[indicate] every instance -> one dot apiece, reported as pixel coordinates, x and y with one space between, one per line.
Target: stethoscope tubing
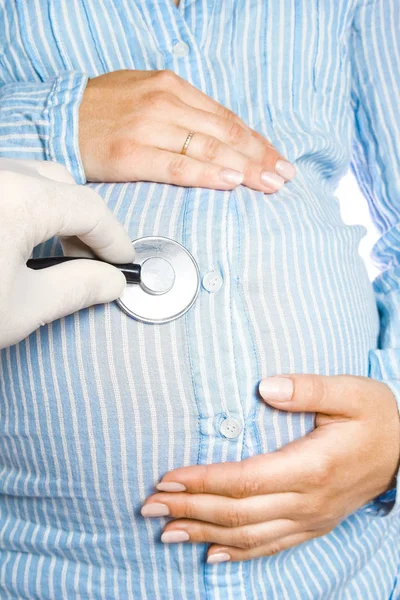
130 270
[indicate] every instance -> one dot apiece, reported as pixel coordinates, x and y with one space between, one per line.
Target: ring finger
247 537
209 149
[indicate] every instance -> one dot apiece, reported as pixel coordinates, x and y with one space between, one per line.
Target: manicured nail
172 537
277 389
218 558
272 180
155 510
285 169
232 176
170 486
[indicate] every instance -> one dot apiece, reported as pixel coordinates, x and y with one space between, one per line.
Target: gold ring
187 142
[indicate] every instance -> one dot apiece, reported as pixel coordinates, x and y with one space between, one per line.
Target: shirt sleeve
39 121
375 55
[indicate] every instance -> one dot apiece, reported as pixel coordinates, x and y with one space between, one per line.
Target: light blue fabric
95 408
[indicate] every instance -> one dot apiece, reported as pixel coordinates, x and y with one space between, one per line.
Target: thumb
66 288
331 395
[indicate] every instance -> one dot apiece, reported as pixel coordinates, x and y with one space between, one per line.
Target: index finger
65 210
276 472
198 99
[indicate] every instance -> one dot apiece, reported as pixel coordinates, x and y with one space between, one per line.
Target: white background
354 209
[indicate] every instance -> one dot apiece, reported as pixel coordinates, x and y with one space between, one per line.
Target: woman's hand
268 503
133 125
39 200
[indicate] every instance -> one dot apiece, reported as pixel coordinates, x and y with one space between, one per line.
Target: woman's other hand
133 125
269 503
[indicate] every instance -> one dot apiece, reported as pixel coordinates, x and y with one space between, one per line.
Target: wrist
388 502
63 139
87 141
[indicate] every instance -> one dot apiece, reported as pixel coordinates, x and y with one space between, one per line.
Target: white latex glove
39 200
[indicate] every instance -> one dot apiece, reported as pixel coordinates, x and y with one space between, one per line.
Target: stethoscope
165 274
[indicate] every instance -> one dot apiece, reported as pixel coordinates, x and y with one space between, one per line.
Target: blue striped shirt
95 408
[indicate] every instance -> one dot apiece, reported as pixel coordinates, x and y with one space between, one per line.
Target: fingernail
218 558
170 486
172 537
272 180
277 389
285 169
232 176
155 510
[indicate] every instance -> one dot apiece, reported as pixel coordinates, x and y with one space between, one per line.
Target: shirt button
180 49
212 281
230 428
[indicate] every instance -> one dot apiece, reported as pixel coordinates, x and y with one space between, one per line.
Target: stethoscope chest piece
169 281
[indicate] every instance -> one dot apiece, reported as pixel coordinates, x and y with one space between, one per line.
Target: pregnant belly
95 408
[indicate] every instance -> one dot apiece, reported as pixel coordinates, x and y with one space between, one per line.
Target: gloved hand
39 200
